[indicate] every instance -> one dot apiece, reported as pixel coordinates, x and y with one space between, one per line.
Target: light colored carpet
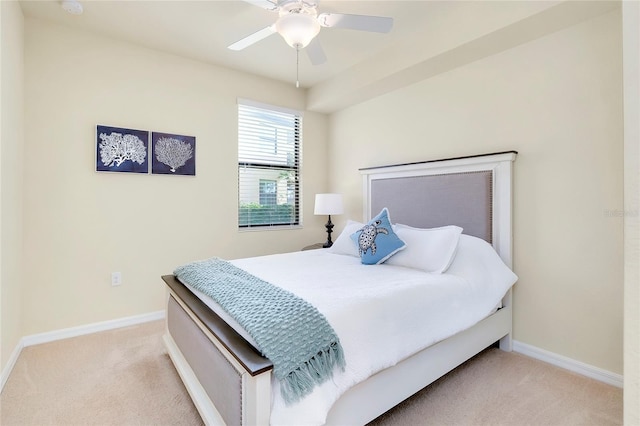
119 377
124 377
505 388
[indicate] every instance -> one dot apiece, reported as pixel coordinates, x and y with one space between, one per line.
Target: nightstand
313 246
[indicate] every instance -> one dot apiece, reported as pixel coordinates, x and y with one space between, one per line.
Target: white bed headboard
472 192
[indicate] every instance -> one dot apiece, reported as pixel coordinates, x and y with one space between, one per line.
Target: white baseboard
6 371
569 364
65 333
50 336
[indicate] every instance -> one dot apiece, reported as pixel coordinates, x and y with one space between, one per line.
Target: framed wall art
122 150
173 154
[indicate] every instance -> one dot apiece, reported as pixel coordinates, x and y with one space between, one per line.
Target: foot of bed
506 343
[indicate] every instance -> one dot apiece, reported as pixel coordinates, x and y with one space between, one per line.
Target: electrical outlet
116 278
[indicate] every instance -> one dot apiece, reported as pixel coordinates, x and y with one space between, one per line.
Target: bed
231 383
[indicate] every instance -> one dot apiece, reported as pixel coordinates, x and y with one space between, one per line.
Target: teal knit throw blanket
292 333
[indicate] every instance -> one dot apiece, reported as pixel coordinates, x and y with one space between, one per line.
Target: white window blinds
269 144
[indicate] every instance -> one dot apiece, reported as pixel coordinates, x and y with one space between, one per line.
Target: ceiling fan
299 23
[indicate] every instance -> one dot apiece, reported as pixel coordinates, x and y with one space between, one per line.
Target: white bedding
381 313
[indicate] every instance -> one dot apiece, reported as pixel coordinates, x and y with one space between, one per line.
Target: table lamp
328 204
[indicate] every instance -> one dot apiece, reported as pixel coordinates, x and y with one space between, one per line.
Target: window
268 192
269 144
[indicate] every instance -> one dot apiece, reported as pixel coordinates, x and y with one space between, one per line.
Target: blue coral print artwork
122 150
173 154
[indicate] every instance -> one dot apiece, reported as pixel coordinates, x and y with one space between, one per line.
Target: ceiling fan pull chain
297 67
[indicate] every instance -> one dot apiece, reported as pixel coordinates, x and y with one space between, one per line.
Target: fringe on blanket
301 381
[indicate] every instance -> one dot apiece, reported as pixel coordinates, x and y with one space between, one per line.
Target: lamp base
329 227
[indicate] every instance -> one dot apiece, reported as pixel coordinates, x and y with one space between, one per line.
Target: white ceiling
427 37
203 29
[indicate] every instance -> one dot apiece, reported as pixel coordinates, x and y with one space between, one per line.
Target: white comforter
381 313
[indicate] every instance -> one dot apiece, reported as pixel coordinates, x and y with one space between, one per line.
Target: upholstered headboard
471 192
430 201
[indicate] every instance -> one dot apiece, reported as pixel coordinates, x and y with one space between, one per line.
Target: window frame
292 166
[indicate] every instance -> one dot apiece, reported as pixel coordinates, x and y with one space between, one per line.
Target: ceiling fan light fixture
298 29
74 7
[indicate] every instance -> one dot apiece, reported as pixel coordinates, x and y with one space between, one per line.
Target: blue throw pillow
376 240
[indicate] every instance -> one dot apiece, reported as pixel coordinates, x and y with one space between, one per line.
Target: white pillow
344 244
478 262
431 250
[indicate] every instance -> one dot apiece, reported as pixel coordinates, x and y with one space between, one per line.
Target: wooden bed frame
230 382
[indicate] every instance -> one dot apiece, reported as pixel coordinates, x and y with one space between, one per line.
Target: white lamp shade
298 29
328 204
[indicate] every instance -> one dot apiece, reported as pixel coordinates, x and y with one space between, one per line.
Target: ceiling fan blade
253 38
265 4
316 52
378 24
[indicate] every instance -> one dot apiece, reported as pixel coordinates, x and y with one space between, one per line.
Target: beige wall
631 46
11 141
558 101
81 225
